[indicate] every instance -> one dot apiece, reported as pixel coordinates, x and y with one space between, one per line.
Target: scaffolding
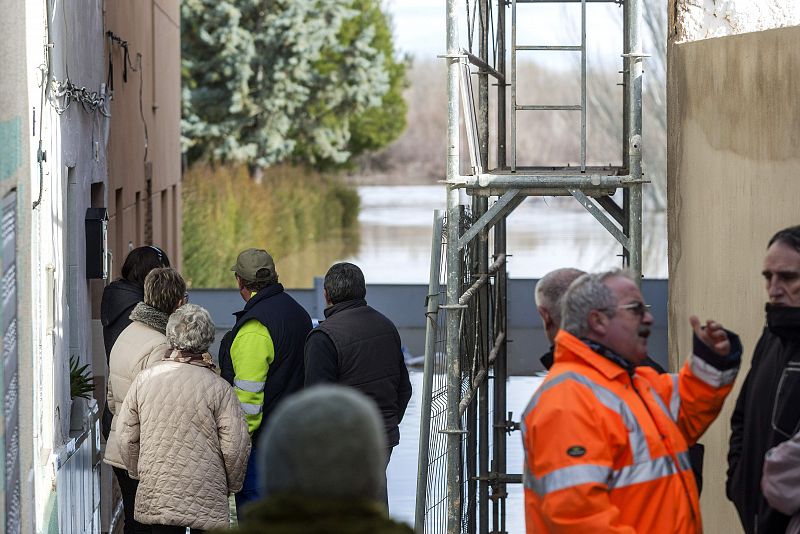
463 476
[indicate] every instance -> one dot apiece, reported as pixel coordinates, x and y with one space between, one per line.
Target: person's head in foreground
322 461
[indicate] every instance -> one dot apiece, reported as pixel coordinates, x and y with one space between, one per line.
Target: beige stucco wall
151 28
733 180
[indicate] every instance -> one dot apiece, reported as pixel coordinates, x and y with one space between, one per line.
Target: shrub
224 212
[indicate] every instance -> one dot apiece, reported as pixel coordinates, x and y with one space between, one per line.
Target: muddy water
394 236
402 472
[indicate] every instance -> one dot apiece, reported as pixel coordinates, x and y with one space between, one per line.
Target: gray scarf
149 316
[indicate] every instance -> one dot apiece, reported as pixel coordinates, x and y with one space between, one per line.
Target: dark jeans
127 486
384 495
171 529
251 487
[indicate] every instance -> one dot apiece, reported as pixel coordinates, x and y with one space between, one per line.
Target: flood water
394 239
402 472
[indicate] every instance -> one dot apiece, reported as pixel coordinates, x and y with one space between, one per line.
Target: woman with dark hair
120 297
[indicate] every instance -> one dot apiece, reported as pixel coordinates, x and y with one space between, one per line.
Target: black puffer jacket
767 413
119 299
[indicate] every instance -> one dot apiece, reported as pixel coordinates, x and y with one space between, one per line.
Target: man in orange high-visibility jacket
606 441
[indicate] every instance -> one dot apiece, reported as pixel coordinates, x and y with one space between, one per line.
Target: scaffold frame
476 477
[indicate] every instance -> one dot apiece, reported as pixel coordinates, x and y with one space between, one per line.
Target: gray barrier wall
405 306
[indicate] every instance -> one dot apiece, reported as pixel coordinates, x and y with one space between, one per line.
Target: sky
420 28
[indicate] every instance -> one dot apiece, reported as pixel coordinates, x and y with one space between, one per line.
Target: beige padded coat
138 347
182 433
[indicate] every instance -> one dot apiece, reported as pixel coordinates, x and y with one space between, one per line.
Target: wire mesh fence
474 325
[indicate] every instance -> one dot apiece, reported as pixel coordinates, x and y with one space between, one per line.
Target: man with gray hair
548 295
607 438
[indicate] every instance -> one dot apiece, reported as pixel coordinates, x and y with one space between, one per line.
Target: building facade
89 168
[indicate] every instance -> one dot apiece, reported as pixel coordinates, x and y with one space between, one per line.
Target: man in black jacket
358 346
768 408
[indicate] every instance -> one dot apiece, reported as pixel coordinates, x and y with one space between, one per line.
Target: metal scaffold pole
453 308
500 367
634 57
480 205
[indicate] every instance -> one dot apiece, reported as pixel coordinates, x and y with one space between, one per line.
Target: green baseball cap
254 265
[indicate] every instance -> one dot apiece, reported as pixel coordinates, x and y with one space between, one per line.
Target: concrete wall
70 179
15 135
144 188
703 19
733 167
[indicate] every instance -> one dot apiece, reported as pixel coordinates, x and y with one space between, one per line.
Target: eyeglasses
638 308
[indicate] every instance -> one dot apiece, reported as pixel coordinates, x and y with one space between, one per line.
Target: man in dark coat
358 346
262 356
768 408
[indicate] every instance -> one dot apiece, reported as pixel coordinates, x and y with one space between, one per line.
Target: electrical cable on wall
44 84
128 64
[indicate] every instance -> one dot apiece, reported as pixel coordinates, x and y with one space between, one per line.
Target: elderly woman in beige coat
140 345
182 433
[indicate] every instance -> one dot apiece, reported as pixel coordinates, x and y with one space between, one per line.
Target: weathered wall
16 416
733 167
702 19
144 143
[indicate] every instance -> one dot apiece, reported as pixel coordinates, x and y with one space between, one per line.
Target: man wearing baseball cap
262 355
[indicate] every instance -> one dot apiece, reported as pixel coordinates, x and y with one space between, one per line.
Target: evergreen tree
315 81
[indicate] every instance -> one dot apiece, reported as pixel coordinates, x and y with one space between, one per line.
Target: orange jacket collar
571 349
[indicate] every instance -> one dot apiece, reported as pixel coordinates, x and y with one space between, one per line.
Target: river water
394 239
402 472
542 235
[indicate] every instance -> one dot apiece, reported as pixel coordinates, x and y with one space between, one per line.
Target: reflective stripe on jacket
252 352
607 451
278 363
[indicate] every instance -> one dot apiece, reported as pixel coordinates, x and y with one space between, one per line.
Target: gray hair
190 328
589 292
551 288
